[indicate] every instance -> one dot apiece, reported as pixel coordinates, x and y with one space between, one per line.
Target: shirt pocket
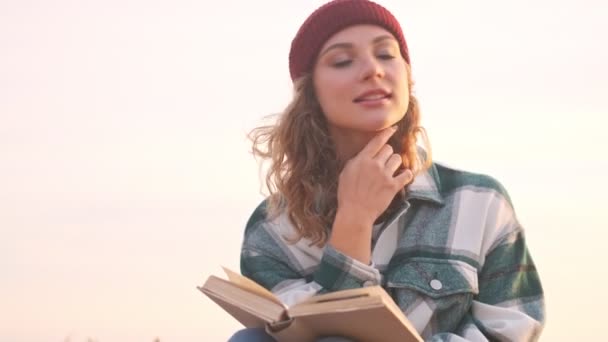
434 278
435 293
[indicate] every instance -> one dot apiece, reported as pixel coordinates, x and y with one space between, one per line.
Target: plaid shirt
453 258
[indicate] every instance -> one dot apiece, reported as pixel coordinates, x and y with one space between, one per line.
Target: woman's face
361 80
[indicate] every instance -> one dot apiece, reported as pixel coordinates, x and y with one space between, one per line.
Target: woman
354 202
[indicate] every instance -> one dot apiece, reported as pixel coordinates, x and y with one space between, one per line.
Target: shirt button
369 283
436 284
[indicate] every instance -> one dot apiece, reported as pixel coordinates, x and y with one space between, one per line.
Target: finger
404 178
374 145
385 152
393 163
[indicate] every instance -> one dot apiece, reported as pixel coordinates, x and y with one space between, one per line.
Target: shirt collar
426 185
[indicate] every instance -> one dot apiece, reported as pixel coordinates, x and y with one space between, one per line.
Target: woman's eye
386 56
342 64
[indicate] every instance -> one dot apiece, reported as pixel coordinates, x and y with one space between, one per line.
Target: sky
126 177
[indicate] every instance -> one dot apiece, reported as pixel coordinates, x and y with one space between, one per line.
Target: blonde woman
354 202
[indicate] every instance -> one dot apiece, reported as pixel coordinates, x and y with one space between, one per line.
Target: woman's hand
366 187
367 183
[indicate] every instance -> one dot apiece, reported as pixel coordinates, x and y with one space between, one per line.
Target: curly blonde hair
303 175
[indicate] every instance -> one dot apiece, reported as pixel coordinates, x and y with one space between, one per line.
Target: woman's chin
374 122
370 122
377 125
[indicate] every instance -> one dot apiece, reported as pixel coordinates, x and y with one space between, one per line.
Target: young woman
354 202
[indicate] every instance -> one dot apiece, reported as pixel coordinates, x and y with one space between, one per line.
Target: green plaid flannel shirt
454 259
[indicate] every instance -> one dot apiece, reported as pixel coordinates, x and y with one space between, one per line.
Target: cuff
338 271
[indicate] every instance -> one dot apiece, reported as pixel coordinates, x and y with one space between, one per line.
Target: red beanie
331 18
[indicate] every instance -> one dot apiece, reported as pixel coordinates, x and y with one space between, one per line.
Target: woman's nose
371 68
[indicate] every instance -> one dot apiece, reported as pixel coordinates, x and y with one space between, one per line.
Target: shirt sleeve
263 261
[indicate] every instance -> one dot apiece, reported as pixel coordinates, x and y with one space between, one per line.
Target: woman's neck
348 142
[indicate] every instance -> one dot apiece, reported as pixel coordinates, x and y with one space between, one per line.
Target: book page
251 286
363 314
345 295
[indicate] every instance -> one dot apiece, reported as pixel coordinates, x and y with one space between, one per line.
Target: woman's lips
374 101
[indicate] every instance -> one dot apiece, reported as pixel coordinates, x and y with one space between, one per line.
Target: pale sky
126 177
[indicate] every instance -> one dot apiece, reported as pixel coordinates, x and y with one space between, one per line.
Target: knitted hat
331 18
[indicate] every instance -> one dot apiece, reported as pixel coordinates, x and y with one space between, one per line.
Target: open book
363 314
